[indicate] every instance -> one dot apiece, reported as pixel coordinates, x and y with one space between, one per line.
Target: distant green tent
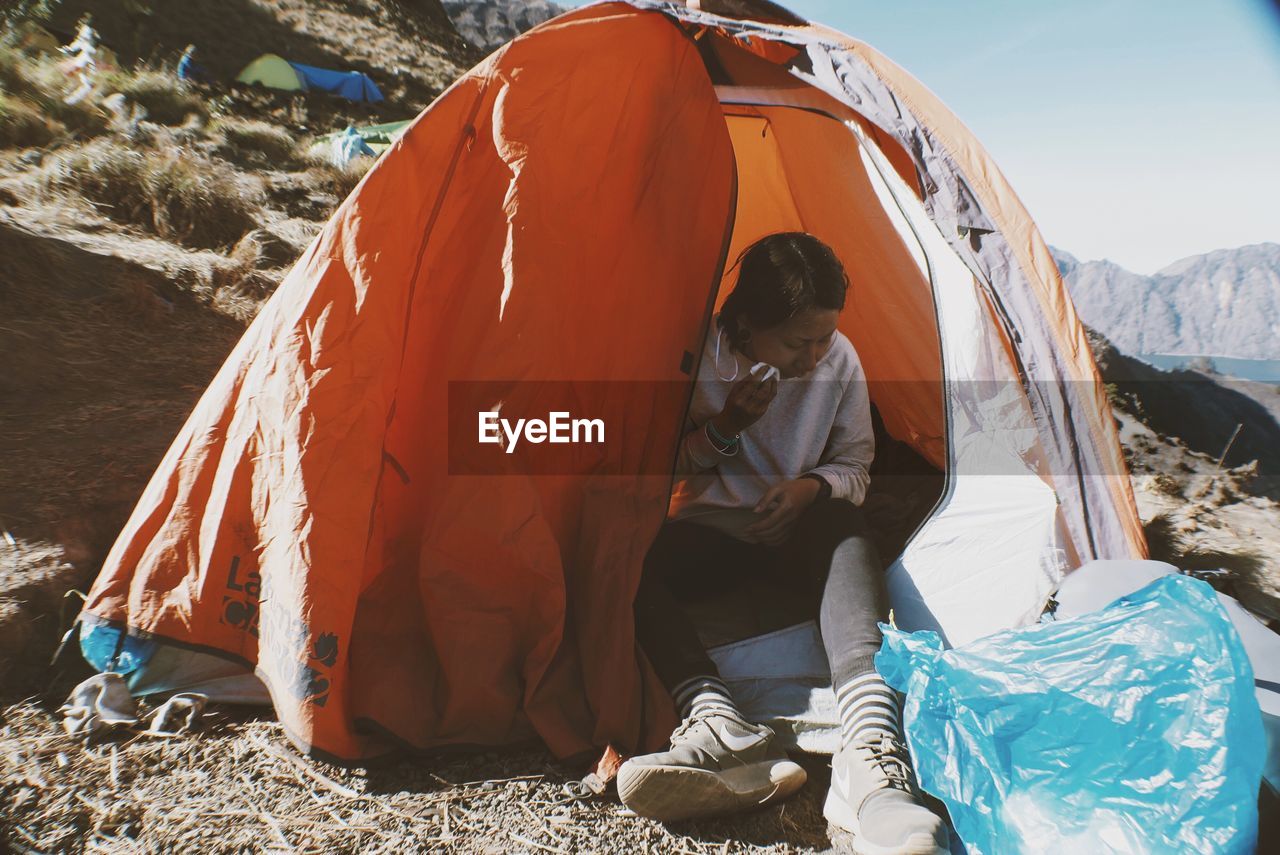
383 135
378 137
272 71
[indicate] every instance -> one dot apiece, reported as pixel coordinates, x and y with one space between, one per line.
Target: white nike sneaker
874 796
716 765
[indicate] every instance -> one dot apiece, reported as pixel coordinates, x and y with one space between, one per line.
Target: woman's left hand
782 505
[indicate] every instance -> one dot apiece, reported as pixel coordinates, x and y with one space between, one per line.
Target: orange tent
560 219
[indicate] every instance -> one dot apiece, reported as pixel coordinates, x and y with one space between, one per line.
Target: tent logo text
240 605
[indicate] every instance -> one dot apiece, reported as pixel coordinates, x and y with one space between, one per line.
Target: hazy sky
1142 131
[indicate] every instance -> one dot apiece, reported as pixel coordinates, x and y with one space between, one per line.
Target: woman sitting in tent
774 469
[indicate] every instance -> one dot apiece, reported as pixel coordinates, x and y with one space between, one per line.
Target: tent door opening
799 170
959 465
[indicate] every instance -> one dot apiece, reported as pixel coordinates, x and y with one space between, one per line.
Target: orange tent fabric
317 461
538 222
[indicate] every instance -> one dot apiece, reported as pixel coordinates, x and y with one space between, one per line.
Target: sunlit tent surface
271 71
566 211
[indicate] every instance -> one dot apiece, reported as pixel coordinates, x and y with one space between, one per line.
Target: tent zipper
464 141
712 291
948 479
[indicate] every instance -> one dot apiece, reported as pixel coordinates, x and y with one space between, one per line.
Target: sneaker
874 796
716 765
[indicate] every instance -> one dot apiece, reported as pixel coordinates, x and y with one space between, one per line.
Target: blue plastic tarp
352 85
1133 728
347 146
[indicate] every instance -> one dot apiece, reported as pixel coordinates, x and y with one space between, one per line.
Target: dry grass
22 125
268 139
12 78
1167 543
243 281
176 192
1163 482
239 786
36 80
255 141
338 180
167 100
41 81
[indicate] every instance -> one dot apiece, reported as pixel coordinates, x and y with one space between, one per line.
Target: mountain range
489 24
1221 303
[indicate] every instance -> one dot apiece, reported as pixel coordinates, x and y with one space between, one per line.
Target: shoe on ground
716 765
874 797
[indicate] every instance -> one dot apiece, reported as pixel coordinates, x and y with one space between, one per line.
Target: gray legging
830 553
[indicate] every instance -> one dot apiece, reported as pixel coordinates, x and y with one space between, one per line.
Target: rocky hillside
408 47
140 228
1233 420
489 24
1222 303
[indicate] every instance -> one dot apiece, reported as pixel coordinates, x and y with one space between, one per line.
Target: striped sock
705 696
868 707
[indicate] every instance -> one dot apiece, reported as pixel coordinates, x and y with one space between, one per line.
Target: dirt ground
238 786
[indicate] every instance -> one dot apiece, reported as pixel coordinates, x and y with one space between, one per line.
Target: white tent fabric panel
782 679
989 556
173 669
986 560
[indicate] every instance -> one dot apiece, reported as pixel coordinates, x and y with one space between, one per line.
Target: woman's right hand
748 400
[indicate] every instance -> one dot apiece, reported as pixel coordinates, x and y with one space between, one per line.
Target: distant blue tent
352 85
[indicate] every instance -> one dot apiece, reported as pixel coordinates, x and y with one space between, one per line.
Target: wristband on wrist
715 435
727 447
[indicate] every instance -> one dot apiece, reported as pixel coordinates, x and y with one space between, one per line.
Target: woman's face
796 345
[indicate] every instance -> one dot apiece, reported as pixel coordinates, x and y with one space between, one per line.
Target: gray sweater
819 423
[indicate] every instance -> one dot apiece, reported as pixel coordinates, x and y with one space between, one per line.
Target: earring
719 336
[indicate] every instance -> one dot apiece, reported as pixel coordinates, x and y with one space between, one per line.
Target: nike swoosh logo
841 781
736 743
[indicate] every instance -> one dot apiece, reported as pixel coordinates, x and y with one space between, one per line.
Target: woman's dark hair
780 276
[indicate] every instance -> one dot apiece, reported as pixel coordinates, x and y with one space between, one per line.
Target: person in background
189 69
